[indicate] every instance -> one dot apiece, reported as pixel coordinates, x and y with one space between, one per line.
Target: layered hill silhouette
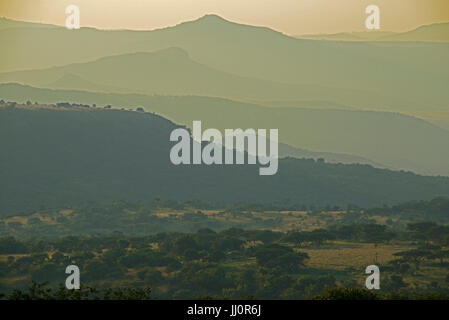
171 71
317 92
348 36
438 32
168 71
72 81
62 156
393 140
401 76
11 24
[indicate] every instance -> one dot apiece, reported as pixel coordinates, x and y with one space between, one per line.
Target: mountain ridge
137 70
396 74
67 156
391 139
427 32
215 19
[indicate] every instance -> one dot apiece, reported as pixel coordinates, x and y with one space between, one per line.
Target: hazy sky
293 17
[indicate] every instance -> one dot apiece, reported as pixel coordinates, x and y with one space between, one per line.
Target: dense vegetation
56 156
138 218
234 263
434 210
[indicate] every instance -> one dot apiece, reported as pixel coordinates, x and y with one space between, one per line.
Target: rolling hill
172 72
65 156
391 139
438 32
168 71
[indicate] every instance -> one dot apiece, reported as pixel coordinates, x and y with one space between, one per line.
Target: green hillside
172 71
394 140
53 157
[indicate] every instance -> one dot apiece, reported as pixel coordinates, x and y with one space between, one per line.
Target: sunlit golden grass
4 257
342 256
13 280
66 212
22 220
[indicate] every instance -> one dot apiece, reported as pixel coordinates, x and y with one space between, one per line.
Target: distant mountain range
326 97
171 71
398 76
168 71
65 156
438 32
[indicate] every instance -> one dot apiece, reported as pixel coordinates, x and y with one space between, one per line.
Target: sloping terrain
62 156
393 140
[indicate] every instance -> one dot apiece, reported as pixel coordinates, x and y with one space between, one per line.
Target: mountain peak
212 18
208 20
214 24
